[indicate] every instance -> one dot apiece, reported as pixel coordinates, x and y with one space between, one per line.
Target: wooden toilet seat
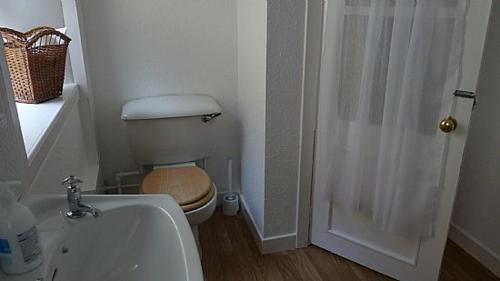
191 187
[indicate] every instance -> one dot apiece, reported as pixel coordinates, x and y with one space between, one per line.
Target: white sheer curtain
397 64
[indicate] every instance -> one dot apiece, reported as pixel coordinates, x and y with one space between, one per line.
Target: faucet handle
71 182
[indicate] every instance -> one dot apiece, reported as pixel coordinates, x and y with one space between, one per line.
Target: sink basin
136 237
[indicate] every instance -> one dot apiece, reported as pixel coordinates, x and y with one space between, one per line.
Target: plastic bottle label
30 245
4 246
5 253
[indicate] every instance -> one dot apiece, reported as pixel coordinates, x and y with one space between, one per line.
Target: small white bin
230 204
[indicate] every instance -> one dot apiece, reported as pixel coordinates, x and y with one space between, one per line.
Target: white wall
68 152
252 18
285 55
270 102
146 48
476 219
26 14
271 38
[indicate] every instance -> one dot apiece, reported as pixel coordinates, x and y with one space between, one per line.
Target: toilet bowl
190 186
203 213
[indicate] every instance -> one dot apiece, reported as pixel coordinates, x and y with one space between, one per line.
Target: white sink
135 238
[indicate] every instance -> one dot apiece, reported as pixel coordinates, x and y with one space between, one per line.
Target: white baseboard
270 244
257 236
279 243
475 248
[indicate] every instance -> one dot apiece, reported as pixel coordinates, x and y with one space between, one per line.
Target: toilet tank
172 128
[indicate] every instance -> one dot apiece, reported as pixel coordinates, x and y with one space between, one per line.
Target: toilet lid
187 185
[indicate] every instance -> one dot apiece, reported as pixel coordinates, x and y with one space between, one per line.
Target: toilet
171 136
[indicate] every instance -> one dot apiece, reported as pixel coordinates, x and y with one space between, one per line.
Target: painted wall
270 103
476 219
285 55
26 14
68 152
137 49
252 18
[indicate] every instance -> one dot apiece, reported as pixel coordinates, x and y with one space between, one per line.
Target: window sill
38 121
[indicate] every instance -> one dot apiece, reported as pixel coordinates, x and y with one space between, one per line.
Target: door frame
310 93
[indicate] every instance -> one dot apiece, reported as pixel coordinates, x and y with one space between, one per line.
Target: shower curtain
394 68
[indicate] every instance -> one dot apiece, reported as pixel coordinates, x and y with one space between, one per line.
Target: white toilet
175 129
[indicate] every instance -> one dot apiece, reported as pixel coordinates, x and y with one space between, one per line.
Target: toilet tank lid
169 106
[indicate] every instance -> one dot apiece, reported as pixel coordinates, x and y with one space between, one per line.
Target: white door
353 235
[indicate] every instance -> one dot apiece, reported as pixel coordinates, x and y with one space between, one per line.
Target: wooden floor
229 253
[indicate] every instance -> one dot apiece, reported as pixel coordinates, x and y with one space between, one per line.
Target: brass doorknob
448 125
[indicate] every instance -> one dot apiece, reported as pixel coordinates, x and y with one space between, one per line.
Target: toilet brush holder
230 204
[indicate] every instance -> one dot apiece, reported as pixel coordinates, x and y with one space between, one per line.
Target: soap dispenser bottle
20 249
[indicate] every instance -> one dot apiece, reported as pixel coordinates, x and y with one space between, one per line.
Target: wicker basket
36 61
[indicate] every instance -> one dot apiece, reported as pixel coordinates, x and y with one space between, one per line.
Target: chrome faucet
76 208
